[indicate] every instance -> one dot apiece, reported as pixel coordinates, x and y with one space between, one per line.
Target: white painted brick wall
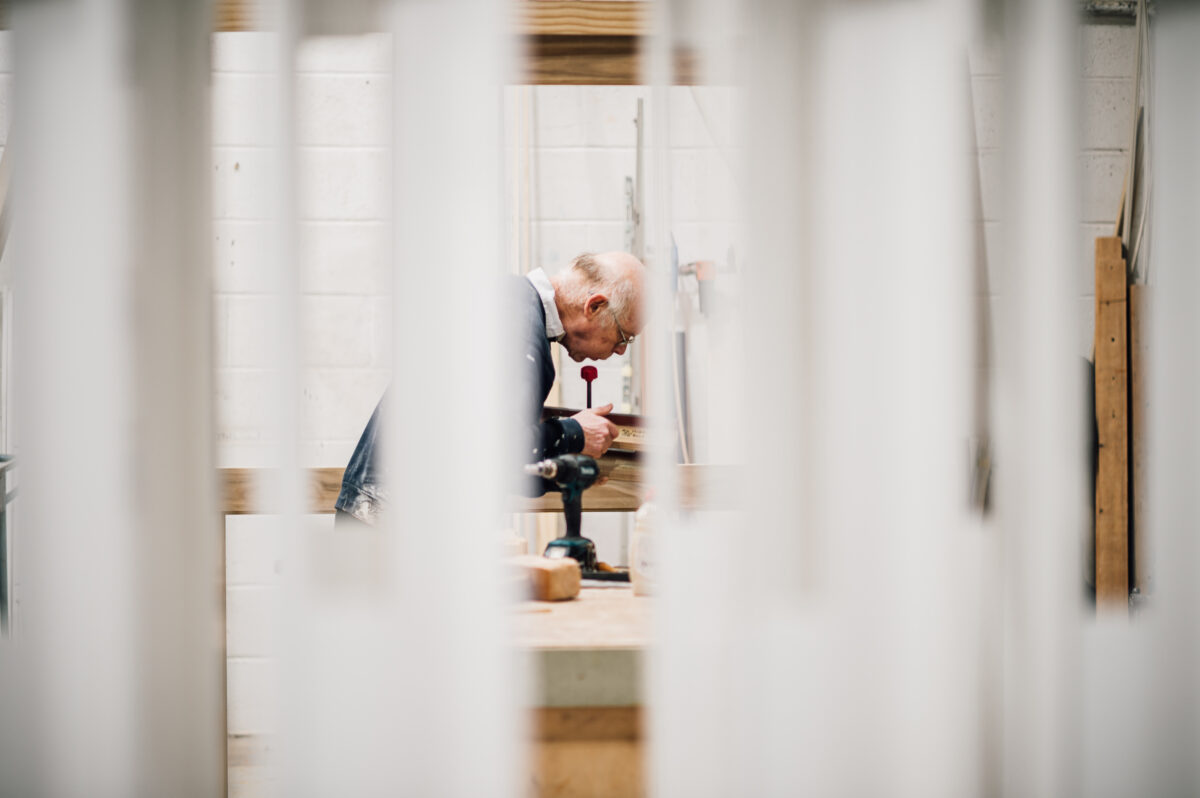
343 97
1107 50
1106 96
1107 113
252 694
581 184
344 258
1103 174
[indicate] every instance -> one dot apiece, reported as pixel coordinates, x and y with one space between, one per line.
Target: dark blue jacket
364 487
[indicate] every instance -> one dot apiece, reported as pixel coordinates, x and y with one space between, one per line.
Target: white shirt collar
554 327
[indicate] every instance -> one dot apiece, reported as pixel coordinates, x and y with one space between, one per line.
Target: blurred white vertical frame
395 670
886 594
455 712
1172 764
311 672
1041 409
120 656
690 681
843 596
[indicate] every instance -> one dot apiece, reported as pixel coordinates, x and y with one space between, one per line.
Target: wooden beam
1112 388
587 723
594 60
233 15
242 490
582 18
702 487
564 42
581 60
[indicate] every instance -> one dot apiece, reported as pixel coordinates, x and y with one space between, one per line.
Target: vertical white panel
1041 410
1171 666
399 676
120 681
686 738
830 624
447 454
305 688
73 342
179 557
885 598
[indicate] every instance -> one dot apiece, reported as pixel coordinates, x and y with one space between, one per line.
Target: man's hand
598 431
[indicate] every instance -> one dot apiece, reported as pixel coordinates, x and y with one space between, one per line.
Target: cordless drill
570 474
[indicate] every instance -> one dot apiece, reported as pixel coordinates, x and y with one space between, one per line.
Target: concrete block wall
1108 57
343 100
1106 83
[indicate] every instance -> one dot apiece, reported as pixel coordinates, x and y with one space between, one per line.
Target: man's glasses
626 340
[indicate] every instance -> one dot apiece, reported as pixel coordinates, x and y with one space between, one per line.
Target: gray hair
593 274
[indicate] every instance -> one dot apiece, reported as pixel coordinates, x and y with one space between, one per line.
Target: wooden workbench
588 656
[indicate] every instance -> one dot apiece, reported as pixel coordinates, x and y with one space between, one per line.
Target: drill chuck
568 472
546 469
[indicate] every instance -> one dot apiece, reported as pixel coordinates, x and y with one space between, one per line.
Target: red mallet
588 373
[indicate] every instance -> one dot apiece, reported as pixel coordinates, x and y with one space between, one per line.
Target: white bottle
643 550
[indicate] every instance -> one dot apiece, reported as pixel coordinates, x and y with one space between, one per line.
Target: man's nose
620 348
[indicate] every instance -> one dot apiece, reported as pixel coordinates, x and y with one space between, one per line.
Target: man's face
599 336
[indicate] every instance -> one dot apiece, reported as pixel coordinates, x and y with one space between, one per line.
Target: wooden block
1112 386
549 580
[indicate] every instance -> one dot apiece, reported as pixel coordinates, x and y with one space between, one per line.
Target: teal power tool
571 475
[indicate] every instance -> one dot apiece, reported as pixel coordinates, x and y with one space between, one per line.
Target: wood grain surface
586 18
1112 388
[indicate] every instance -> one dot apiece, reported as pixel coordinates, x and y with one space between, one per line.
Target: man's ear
595 303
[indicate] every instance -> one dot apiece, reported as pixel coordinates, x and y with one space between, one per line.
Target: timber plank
242 489
233 15
702 487
596 61
576 18
587 723
582 60
1112 381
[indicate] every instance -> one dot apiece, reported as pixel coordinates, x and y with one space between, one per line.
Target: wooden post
1112 386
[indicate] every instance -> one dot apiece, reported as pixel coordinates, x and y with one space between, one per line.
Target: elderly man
593 310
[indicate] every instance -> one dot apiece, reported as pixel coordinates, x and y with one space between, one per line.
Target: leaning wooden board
1112 418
